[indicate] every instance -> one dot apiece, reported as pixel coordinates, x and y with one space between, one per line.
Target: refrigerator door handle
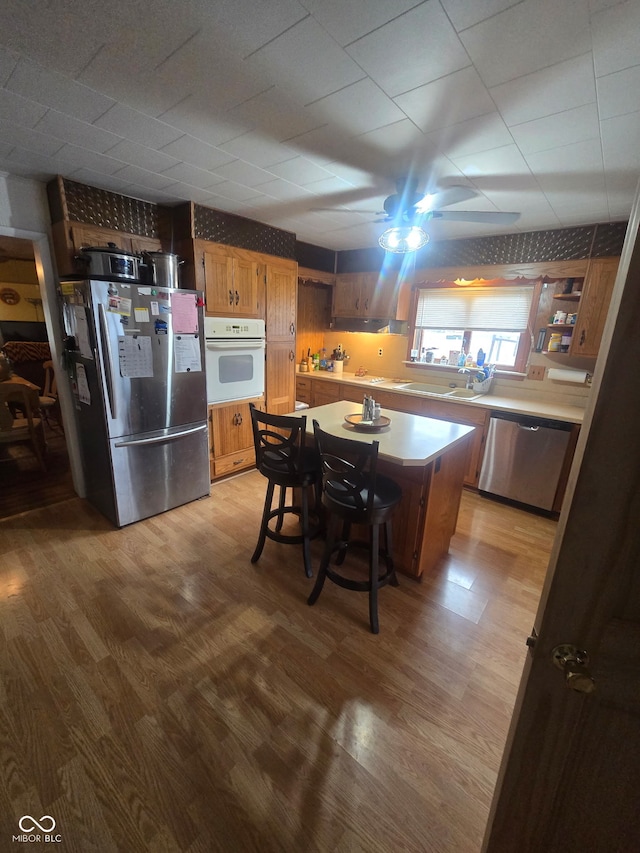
106 345
137 442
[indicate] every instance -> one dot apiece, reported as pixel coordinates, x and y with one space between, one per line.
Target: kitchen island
427 458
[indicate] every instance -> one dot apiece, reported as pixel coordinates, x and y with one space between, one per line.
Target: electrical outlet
379 350
536 371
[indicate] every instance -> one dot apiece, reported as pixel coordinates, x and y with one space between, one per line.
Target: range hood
369 324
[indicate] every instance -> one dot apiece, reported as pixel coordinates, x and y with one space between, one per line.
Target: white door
570 779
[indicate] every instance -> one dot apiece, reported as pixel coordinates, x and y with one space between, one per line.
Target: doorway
24 340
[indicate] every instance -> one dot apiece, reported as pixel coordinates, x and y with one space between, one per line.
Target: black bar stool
281 457
354 493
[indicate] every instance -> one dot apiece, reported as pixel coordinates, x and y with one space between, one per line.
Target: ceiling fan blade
491 217
452 195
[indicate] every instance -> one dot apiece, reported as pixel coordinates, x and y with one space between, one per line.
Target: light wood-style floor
158 692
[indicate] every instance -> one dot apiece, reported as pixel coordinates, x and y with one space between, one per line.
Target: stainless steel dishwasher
523 458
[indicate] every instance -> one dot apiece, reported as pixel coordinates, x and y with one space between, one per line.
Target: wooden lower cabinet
461 414
280 378
303 389
324 392
230 439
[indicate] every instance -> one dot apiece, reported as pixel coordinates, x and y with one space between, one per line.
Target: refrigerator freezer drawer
156 472
523 459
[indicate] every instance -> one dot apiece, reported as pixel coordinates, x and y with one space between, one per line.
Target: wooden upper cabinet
375 295
346 295
230 282
281 302
594 306
70 237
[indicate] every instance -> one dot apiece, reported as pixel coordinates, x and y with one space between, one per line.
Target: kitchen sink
438 390
424 388
467 393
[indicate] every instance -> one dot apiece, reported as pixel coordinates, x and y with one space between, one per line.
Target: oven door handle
244 344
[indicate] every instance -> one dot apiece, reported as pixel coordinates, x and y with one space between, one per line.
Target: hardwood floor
24 485
158 692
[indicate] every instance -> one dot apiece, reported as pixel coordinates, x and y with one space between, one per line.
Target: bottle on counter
462 358
480 358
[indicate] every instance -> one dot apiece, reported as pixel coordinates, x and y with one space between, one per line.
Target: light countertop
535 406
410 440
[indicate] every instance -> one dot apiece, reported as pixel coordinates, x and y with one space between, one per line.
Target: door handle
237 297
291 355
292 329
574 663
231 297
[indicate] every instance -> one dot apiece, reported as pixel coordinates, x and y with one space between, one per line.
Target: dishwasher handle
528 428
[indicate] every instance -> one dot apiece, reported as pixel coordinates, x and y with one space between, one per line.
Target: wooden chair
48 399
283 458
25 429
354 493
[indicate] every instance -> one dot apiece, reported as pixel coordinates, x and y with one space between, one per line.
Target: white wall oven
235 353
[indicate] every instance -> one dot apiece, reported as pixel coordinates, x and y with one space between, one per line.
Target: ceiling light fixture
407 238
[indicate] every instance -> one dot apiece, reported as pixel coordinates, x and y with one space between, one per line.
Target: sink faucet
468 377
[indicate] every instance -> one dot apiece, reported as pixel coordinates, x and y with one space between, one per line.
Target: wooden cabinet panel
346 295
230 282
303 389
594 306
70 237
280 377
230 439
325 392
408 519
281 301
463 415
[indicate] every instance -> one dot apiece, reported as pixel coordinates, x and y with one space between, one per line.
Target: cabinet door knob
291 355
292 328
237 297
231 297
582 337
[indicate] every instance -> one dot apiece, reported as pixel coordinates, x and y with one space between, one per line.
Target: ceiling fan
407 206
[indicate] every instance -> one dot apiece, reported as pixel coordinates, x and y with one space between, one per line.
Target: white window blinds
488 309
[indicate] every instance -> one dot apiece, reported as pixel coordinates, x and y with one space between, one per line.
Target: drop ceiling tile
560 87
350 21
99 180
258 149
285 190
561 129
138 127
619 93
430 46
620 147
469 137
19 110
47 87
31 165
75 157
145 193
141 156
527 37
244 173
306 62
251 25
195 116
5 148
357 108
235 192
464 14
275 113
187 174
590 211
452 99
197 153
300 171
570 168
144 178
615 38
323 145
32 140
329 186
8 61
77 132
506 160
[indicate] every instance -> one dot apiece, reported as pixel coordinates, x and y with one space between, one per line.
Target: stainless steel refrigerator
135 361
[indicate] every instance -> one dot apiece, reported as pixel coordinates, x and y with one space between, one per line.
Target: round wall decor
9 296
